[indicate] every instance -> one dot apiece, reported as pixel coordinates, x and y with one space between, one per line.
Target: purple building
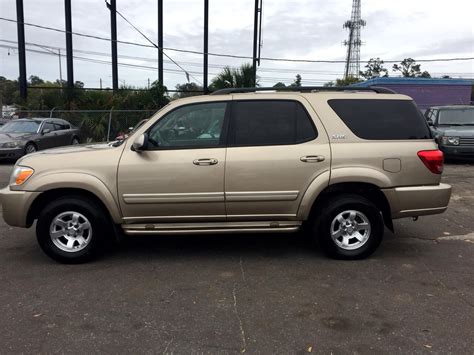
428 92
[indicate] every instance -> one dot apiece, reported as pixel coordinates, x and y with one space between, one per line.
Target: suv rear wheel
349 227
72 229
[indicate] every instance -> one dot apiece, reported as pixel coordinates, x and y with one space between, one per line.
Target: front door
49 136
275 151
180 176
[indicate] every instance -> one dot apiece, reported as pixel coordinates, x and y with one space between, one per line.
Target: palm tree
234 78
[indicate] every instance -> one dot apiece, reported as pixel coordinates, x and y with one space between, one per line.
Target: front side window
270 122
48 125
198 125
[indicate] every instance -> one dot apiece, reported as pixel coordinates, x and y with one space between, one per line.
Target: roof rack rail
378 90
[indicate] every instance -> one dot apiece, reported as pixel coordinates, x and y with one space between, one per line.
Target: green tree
234 78
374 69
9 92
347 81
296 82
410 69
188 89
35 80
279 85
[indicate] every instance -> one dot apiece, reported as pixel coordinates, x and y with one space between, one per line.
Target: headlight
20 175
10 145
450 140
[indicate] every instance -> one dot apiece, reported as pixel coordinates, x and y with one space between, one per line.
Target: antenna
354 42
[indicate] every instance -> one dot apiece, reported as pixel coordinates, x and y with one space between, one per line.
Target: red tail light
433 159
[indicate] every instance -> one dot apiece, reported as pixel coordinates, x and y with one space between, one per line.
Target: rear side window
382 119
268 122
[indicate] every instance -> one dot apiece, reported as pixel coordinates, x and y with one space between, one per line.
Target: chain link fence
96 125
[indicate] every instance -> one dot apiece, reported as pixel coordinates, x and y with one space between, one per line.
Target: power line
215 66
160 49
168 70
327 61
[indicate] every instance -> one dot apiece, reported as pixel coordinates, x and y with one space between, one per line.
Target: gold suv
343 162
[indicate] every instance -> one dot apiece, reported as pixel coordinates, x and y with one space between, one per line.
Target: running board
212 228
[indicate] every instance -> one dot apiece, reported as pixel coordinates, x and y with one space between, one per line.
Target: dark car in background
3 122
28 135
453 129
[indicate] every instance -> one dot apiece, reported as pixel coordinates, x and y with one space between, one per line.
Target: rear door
63 131
276 149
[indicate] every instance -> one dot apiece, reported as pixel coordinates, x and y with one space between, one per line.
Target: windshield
456 117
20 127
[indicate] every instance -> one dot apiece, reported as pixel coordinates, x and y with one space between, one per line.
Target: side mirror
430 123
46 131
140 143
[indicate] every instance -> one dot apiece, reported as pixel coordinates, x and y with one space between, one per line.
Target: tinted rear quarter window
382 119
270 122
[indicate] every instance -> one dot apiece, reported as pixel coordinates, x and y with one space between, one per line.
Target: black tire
75 141
30 148
323 227
101 231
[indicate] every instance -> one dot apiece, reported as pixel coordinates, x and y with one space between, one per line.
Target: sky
298 29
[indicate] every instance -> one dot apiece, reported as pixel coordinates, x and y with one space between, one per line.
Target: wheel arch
58 185
47 196
367 190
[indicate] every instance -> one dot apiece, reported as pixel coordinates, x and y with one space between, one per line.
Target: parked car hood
76 149
455 131
86 158
8 137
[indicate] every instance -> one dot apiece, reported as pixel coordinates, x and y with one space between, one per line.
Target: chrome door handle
312 159
206 161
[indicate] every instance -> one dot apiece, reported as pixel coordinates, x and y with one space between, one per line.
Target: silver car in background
28 135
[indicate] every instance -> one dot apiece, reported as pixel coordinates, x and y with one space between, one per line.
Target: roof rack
378 90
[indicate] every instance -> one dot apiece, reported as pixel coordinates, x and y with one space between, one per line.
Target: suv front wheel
349 227
72 229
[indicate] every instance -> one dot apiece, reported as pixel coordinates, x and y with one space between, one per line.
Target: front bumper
11 153
458 150
414 201
15 206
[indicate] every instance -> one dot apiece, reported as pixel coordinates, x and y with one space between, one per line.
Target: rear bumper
417 201
458 151
15 206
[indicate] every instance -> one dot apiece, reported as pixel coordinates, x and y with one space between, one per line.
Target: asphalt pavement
248 294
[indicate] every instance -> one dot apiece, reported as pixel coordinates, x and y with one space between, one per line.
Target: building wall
435 95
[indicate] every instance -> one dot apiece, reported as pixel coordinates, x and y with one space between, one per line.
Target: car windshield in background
20 127
456 117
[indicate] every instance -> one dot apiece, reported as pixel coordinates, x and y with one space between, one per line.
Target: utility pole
206 45
69 54
112 6
21 48
257 31
60 68
160 42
